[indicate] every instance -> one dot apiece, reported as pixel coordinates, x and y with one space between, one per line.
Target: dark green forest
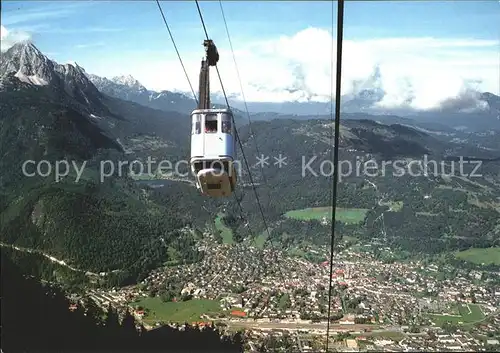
95 225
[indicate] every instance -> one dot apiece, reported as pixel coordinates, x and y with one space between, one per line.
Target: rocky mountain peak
128 80
28 64
24 64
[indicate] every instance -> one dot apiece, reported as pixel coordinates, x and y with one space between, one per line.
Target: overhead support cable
177 51
338 92
238 139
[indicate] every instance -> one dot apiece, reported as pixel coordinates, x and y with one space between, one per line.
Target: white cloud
429 70
9 38
422 73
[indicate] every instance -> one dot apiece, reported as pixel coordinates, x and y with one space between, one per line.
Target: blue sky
60 25
126 37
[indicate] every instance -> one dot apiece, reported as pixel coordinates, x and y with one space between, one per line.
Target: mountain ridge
359 103
128 88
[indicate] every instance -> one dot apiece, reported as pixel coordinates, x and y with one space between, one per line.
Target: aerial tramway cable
250 231
338 85
340 25
252 134
227 102
238 139
187 77
177 51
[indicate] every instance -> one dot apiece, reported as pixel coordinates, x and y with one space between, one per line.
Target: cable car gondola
213 142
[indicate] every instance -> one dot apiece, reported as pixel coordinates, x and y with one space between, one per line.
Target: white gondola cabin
213 150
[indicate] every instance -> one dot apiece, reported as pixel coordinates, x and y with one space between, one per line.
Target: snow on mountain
365 98
128 81
128 88
27 64
24 64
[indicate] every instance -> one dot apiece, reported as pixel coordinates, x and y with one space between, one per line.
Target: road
297 326
48 256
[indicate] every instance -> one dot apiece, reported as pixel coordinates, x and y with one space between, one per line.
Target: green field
485 256
260 240
349 239
296 252
469 313
345 215
188 311
396 206
226 233
283 301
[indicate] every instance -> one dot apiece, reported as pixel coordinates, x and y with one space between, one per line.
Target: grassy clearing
188 311
296 252
468 313
427 214
284 299
349 239
260 240
395 206
441 319
226 233
471 312
345 215
478 256
144 176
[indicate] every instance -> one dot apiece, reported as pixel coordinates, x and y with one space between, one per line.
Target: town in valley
282 300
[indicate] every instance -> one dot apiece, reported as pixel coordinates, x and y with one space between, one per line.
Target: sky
429 51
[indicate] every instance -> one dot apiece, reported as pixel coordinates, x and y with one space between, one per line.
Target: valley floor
241 286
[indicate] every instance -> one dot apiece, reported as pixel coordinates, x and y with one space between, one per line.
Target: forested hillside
97 225
94 223
452 207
